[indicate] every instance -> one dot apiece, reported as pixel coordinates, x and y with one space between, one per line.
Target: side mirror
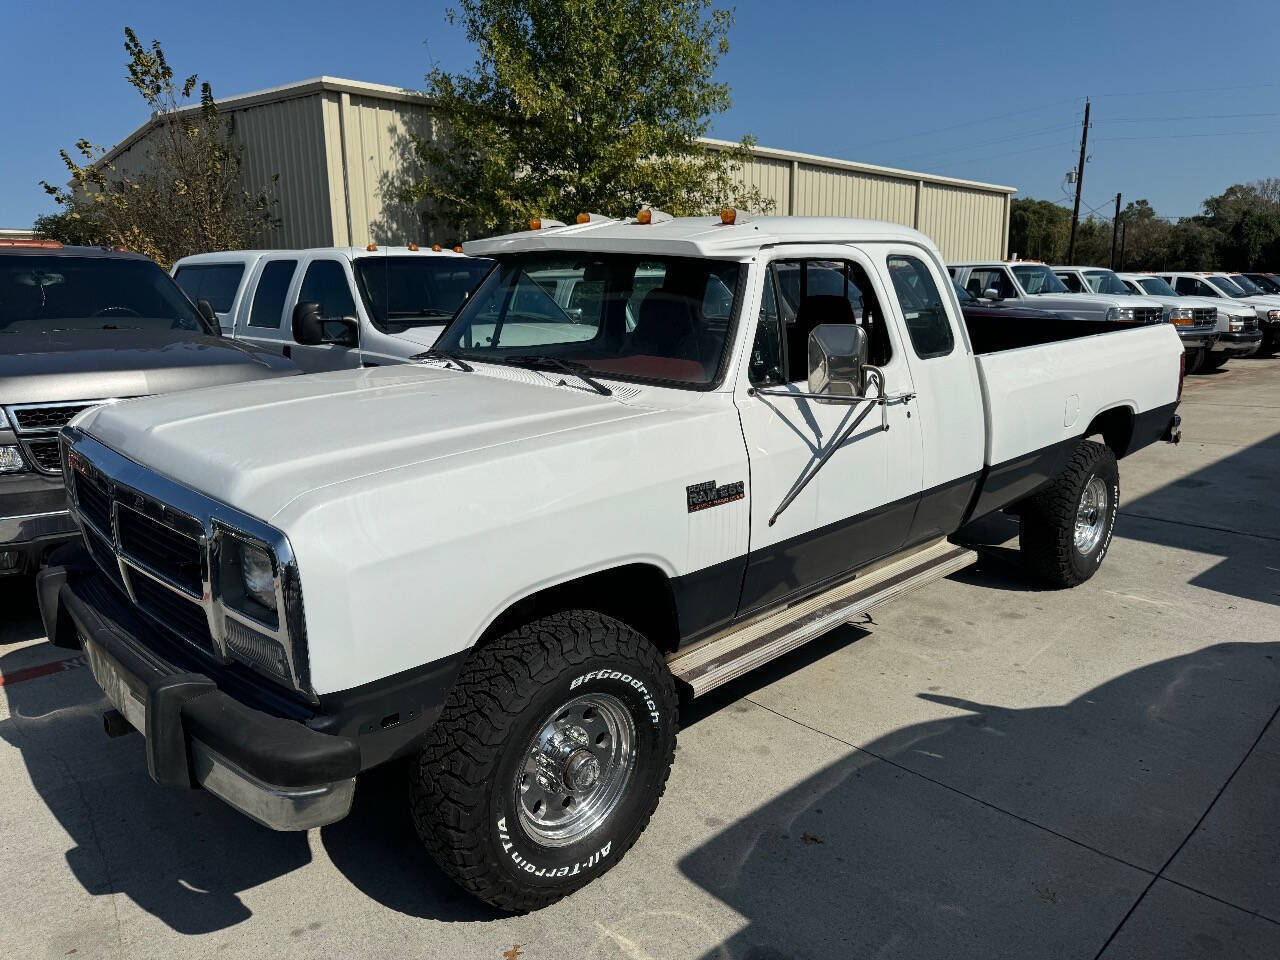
311 328
991 293
837 354
206 310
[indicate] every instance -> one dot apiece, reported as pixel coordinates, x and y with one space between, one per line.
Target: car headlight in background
1237 324
1120 314
11 460
1181 316
1273 316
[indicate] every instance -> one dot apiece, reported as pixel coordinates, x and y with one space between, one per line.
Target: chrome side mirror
991 293
837 354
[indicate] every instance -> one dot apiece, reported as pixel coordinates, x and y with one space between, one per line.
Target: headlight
247 577
11 460
4 421
1120 314
1237 324
1273 315
1181 316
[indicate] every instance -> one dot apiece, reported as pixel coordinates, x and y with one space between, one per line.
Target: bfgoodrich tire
548 759
1065 530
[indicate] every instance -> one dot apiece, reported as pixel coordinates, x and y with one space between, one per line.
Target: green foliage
184 197
579 105
1239 230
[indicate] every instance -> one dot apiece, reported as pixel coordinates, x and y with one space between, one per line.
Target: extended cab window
616 315
215 282
927 323
268 298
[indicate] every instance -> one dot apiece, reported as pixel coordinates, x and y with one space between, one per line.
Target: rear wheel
1065 530
548 760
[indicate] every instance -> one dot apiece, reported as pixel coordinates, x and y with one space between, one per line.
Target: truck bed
990 334
1040 399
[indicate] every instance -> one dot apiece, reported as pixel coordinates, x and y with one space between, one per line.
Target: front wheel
548 759
1216 361
1066 528
1195 360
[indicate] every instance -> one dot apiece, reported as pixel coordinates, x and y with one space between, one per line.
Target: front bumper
1239 344
33 520
277 771
1197 339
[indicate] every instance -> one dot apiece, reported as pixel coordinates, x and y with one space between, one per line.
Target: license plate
113 685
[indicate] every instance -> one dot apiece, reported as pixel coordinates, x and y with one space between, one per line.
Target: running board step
726 658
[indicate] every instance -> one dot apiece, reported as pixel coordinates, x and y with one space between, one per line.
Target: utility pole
1075 211
1115 231
1124 229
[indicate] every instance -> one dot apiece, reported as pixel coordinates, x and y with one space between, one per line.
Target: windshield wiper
445 357
579 370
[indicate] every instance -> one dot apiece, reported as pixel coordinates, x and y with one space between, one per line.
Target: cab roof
350 253
45 249
706 237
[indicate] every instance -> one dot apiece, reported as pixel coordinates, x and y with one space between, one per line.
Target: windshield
1227 287
1157 287
50 294
404 292
1247 285
1104 281
1037 279
1265 282
619 315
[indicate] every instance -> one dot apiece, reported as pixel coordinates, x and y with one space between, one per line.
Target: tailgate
1039 400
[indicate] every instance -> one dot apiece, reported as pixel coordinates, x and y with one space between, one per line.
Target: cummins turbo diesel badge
704 495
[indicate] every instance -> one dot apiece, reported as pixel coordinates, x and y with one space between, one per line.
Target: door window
983 279
811 292
1072 281
928 325
215 282
326 283
268 298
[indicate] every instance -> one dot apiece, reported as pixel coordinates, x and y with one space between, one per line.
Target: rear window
215 282
47 294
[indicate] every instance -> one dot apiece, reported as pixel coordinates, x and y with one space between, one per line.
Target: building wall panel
830 192
965 224
381 161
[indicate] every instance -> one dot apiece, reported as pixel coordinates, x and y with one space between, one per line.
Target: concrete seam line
1199 526
958 791
1191 833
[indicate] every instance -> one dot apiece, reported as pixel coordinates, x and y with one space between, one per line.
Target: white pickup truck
331 308
1034 284
511 559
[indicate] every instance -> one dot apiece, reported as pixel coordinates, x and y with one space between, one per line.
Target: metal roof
697 236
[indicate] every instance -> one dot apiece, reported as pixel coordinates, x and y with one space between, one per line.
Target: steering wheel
116 312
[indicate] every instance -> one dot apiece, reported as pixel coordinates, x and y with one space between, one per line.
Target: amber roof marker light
413 247
644 216
584 218
458 248
728 216
436 248
372 247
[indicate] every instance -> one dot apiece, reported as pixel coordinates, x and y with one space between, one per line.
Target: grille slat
44 453
101 552
184 617
31 419
161 548
95 503
1148 314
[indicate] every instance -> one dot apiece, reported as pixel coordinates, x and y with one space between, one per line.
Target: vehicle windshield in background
617 315
1267 284
404 292
1247 285
52 294
1104 281
1157 287
1227 287
1037 279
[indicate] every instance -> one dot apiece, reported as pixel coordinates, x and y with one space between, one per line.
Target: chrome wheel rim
576 769
1091 515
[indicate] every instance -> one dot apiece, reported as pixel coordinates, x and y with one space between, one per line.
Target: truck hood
422 336
258 446
99 364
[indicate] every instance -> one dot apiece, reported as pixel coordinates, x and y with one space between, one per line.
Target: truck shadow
993 832
20 622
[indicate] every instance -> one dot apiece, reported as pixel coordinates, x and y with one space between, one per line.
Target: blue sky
1186 99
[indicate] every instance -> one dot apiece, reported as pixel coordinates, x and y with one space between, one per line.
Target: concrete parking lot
983 770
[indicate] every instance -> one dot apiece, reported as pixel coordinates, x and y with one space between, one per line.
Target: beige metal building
342 148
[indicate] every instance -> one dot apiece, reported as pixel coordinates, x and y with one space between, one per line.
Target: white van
379 304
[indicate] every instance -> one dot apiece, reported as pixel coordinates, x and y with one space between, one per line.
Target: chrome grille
37 426
1148 314
163 545
1204 316
1251 323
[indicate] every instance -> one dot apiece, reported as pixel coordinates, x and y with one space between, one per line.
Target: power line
1186 90
1192 136
1204 116
984 143
1014 153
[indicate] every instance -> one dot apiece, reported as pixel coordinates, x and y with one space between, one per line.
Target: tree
185 196
579 106
1038 230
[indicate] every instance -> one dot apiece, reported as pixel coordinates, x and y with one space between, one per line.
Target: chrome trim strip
215 519
32 526
280 808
